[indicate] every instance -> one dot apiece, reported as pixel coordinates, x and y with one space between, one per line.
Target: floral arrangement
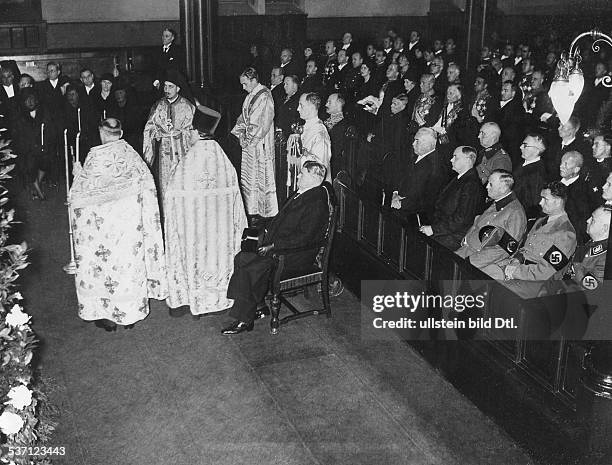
25 416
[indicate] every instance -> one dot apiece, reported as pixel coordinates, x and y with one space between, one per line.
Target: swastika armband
508 243
495 235
589 282
556 258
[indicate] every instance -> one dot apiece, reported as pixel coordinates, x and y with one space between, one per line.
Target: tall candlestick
70 267
79 118
66 160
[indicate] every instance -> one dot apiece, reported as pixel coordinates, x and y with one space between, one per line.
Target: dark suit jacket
9 108
511 120
291 68
422 183
337 135
301 222
278 95
597 175
164 61
51 97
580 204
529 181
91 99
457 206
288 114
555 153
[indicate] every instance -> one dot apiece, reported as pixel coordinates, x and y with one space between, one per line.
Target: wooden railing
375 243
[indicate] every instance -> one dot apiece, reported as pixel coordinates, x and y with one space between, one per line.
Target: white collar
570 181
420 157
345 46
529 162
459 175
563 144
172 101
503 103
341 66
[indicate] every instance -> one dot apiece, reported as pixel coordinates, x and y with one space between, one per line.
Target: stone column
198 18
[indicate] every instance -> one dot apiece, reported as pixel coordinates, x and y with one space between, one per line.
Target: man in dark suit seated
570 140
511 120
420 182
530 177
602 162
458 203
301 222
581 200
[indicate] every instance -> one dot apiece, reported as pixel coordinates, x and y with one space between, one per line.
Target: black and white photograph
305 232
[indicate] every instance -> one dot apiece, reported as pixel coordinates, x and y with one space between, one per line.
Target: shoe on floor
238 327
262 312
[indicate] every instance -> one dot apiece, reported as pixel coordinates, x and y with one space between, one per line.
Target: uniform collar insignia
598 248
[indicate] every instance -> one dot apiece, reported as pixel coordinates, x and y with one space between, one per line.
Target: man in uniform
255 131
589 262
167 135
492 156
499 230
548 247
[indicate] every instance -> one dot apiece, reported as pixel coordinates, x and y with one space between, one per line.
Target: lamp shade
562 99
576 83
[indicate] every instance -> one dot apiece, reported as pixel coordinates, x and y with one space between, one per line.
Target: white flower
18 296
19 397
16 318
10 423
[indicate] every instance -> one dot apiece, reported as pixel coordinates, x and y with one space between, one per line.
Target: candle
78 136
42 136
66 161
104 113
79 118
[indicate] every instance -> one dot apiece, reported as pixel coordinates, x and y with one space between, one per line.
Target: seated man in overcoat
301 222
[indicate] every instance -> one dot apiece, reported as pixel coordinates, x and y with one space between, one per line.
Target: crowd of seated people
460 153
